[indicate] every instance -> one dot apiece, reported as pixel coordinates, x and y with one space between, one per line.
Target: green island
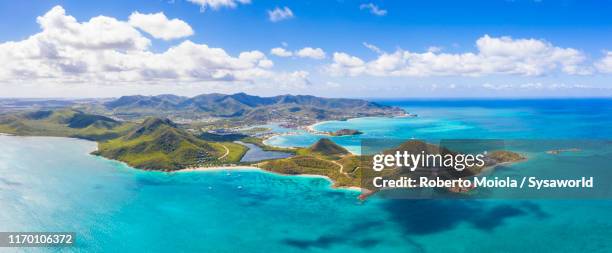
171 133
343 132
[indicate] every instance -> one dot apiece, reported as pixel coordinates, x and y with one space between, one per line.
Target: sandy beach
312 126
218 168
237 168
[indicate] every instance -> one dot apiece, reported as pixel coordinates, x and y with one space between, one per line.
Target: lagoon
255 153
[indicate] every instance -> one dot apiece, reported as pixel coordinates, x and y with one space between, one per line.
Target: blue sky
416 49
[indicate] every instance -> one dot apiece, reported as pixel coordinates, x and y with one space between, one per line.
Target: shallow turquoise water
53 184
451 119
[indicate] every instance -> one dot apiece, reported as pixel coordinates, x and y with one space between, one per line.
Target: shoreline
310 130
257 169
311 127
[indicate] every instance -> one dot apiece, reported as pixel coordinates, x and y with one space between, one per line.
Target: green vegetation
345 131
241 109
256 130
313 166
158 144
346 170
155 144
236 152
259 142
63 123
221 137
324 148
503 156
324 158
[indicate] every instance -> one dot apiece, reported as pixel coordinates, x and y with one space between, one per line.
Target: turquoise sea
53 184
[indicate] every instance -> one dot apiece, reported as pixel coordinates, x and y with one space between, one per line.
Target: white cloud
217 4
296 79
347 60
501 55
496 87
105 50
374 9
434 49
281 52
159 26
279 14
98 33
531 86
309 52
605 64
374 48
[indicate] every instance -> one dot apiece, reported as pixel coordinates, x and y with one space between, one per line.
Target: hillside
322 158
347 170
241 106
63 122
158 144
327 147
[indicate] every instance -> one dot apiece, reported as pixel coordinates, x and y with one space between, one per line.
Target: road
226 152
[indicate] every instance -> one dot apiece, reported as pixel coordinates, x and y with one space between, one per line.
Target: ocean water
53 184
478 119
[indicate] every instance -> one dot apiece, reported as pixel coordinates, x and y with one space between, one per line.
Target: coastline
206 169
257 169
309 129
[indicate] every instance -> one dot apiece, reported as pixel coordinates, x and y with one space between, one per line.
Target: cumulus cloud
279 14
374 9
217 4
105 50
159 26
309 52
495 55
281 52
605 64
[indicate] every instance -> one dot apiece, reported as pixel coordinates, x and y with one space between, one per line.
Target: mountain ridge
249 106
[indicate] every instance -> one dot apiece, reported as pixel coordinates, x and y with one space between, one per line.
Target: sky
343 48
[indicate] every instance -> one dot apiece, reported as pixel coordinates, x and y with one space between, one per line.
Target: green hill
327 147
159 144
64 123
241 106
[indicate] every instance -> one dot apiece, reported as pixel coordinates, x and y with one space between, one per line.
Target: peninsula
168 132
171 133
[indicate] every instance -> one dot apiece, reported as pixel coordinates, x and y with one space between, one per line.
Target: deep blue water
49 184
